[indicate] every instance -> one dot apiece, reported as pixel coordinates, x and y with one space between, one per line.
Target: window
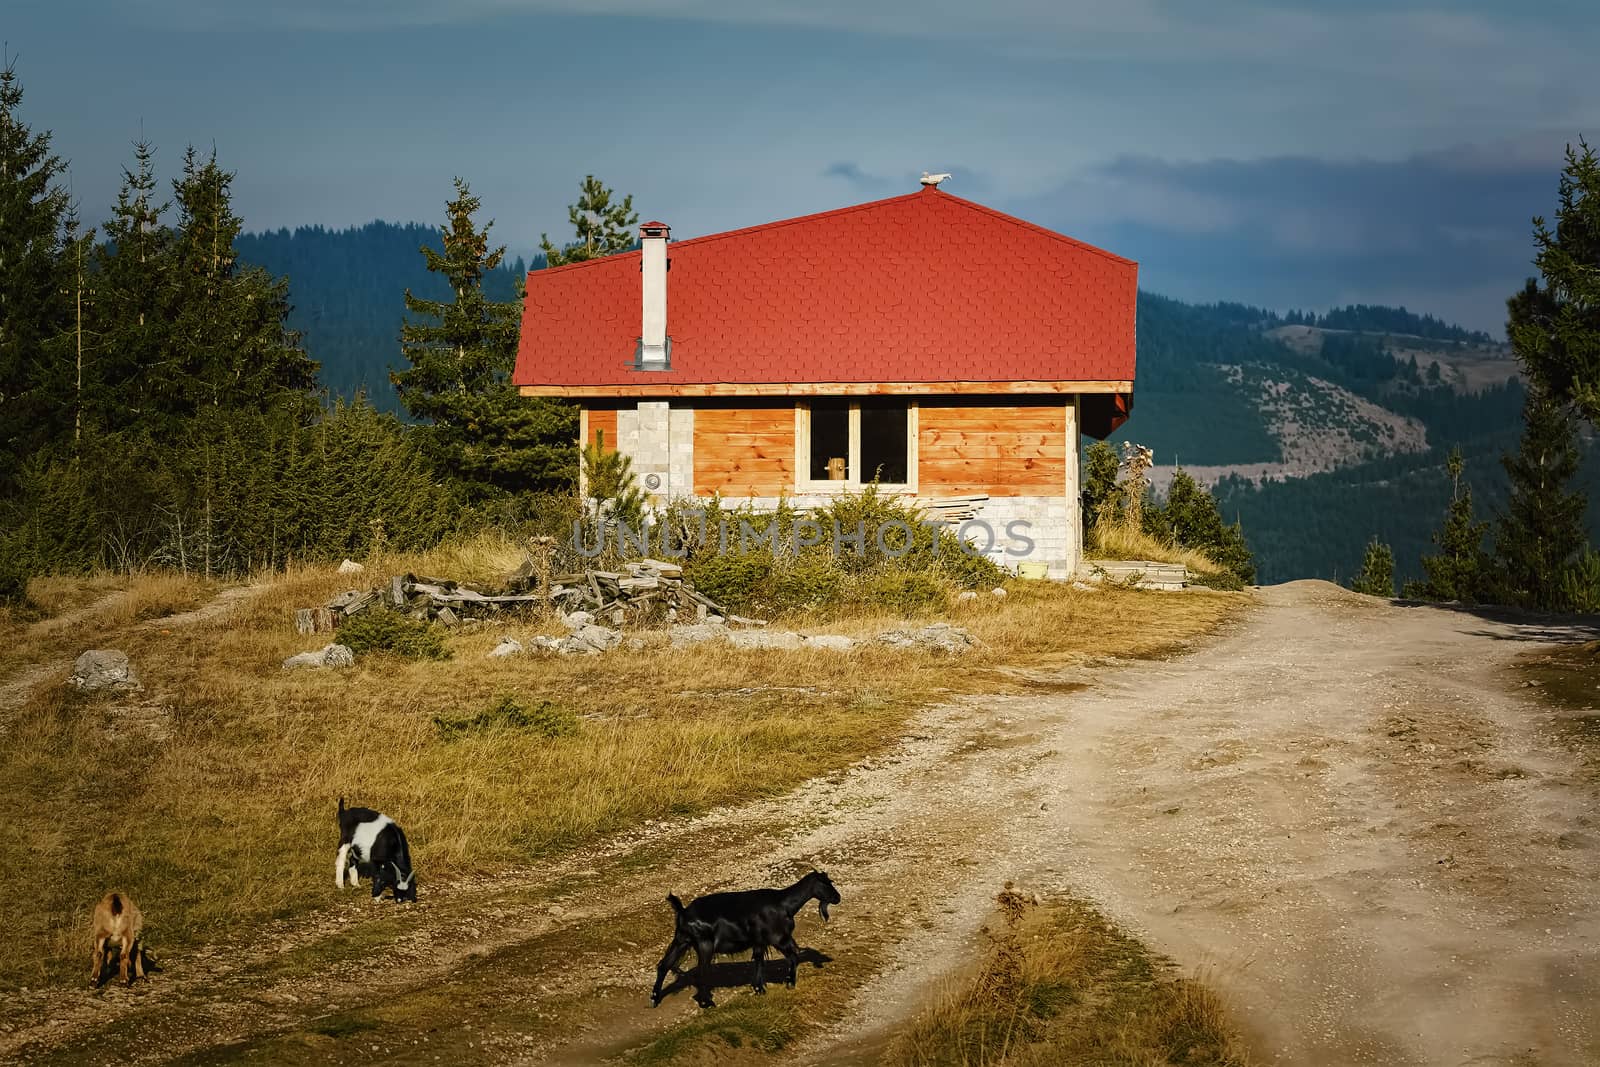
844 444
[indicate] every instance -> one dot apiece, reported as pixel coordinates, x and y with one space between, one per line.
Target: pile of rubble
642 589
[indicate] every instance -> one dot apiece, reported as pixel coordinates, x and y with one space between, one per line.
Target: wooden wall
603 419
1000 449
744 451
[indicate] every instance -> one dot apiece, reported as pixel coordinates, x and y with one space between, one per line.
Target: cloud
1447 230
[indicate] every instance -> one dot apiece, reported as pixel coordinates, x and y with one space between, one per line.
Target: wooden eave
779 389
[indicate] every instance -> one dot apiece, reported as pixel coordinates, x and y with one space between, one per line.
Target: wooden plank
998 449
744 451
737 389
603 420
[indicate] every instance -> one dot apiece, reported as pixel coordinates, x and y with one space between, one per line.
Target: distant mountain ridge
1319 431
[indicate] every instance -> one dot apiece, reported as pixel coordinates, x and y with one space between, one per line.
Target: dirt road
1339 810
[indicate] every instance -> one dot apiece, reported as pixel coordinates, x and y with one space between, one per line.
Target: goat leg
791 952
758 958
702 975
125 967
669 962
138 959
99 961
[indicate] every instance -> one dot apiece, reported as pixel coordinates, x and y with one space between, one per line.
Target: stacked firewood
642 589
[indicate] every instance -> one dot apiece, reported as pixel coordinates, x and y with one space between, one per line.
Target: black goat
754 919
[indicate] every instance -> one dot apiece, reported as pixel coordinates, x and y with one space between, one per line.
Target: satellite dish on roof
934 179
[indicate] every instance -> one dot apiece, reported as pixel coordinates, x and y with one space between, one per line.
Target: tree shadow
733 975
1535 627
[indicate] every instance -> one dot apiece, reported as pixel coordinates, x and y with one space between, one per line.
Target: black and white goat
372 845
753 919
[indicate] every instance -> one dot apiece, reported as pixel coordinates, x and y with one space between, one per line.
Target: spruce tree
134 365
1377 571
1542 528
33 208
1457 572
461 354
602 227
1555 326
233 348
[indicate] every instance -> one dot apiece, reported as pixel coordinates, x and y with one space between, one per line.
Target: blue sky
1292 154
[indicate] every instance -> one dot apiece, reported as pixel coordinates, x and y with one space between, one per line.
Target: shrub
396 634
908 591
544 719
731 579
13 576
1377 571
1189 518
809 581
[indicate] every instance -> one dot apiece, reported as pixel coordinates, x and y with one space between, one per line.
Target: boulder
350 566
765 639
937 637
696 634
327 656
102 669
832 642
508 646
577 620
589 639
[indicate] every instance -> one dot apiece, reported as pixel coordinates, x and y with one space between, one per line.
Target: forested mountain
1319 431
347 289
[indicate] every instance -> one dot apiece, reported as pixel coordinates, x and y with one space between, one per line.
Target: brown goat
117 920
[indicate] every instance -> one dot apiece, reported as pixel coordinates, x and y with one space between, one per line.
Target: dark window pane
830 441
884 443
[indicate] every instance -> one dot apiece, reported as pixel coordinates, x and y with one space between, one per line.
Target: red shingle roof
925 287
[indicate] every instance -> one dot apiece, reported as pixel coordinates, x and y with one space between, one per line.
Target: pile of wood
610 596
951 509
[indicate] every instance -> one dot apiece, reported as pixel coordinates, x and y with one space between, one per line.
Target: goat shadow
109 975
733 975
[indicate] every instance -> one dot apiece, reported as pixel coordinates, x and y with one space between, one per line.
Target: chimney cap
932 180
654 229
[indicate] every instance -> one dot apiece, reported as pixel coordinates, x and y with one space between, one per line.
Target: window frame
852 483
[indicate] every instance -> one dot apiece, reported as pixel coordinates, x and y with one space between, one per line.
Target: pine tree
459 378
1377 571
1555 327
1457 572
33 209
234 350
602 227
1542 528
134 347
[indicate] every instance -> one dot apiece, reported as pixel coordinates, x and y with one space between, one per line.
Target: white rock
998 591
508 646
695 634
590 639
102 668
966 594
937 637
338 656
350 566
577 620
765 639
832 642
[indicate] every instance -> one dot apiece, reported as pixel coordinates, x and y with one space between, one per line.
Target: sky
1291 154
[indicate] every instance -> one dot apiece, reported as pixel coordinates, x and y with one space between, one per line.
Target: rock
766 639
547 644
577 620
965 595
446 617
832 642
327 656
1083 587
590 639
999 592
695 634
937 637
508 646
637 644
101 669
338 656
350 566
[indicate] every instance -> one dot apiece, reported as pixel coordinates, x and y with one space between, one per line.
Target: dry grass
1125 541
216 807
1061 985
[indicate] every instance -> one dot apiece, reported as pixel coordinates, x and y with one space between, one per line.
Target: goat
754 919
371 844
117 920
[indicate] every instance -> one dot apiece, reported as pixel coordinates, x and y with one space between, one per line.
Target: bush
1189 518
396 634
733 580
1377 571
808 582
905 591
545 719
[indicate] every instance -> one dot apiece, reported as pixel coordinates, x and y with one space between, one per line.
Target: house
927 342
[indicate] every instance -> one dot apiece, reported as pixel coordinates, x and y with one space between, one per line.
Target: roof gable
925 287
